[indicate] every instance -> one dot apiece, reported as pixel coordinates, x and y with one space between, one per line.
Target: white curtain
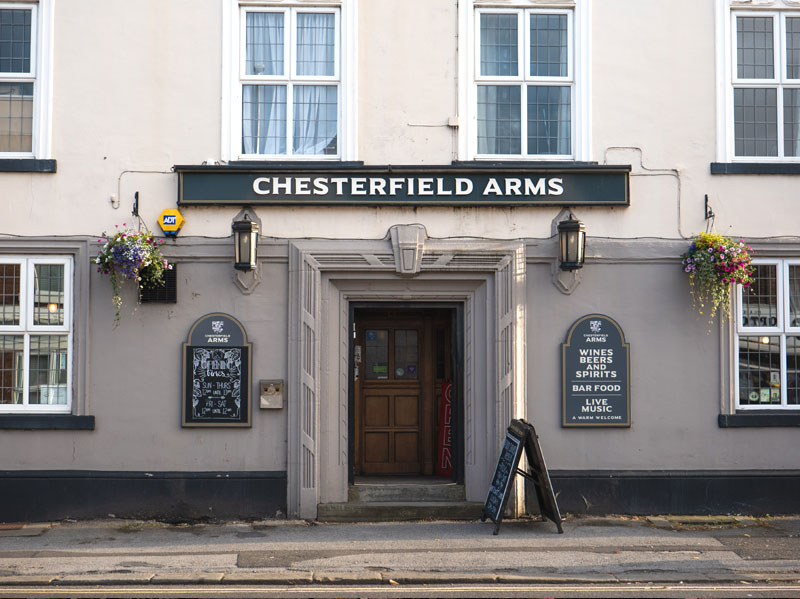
264 106
315 118
264 43
794 295
551 118
315 106
264 119
316 44
791 121
499 128
553 108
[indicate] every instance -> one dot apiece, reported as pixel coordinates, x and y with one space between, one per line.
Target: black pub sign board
455 185
216 374
520 436
595 374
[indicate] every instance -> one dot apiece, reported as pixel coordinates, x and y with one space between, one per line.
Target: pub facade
392 228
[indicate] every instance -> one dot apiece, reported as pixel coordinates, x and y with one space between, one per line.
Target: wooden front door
399 364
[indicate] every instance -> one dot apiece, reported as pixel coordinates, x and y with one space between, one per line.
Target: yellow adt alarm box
171 221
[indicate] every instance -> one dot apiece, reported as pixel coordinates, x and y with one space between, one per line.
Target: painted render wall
675 359
134 96
134 389
135 383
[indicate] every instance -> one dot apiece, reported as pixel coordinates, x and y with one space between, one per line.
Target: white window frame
40 75
27 329
234 78
782 329
728 80
579 77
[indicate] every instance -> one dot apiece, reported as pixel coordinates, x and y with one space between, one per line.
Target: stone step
406 492
391 511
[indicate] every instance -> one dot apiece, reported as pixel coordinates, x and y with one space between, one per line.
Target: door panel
376 410
391 428
376 447
406 410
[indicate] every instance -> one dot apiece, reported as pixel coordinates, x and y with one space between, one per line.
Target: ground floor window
35 334
768 337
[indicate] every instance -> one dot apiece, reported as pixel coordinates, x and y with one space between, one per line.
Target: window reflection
12 350
48 298
759 370
760 301
48 370
794 295
9 294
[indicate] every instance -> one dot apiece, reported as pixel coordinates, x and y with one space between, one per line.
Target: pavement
614 549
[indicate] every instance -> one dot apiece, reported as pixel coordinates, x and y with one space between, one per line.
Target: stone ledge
190 578
410 577
268 577
6 581
121 578
350 577
541 579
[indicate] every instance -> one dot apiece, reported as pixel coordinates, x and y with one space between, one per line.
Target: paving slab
759 548
592 550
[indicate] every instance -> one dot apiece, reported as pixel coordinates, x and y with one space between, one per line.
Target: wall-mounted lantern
572 243
245 240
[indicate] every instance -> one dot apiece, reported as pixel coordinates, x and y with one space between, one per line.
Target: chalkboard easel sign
216 374
520 436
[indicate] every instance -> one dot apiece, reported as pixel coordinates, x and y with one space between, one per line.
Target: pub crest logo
595 326
217 326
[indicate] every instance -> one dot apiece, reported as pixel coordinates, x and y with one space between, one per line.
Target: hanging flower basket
130 255
714 263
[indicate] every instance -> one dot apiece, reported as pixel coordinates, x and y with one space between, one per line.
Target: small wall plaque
216 374
270 395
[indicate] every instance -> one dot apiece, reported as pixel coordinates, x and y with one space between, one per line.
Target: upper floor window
23 84
35 334
288 96
768 337
765 85
527 101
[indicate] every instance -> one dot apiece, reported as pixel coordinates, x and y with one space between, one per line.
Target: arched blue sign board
595 374
216 374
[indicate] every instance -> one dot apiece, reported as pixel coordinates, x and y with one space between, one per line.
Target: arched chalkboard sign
595 374
216 374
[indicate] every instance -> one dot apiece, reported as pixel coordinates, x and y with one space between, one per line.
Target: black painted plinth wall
36 496
32 496
674 492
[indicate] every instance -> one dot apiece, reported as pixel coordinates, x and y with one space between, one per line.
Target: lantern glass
572 241
245 234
